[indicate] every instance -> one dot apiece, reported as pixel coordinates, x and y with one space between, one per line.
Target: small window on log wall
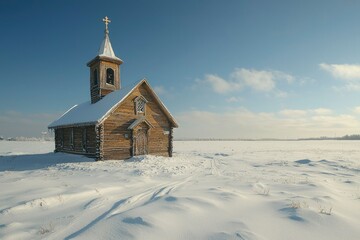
95 77
140 105
110 76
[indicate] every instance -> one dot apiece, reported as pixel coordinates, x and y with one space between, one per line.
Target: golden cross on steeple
106 20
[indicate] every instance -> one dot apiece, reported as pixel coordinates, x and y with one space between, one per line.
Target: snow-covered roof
88 114
106 49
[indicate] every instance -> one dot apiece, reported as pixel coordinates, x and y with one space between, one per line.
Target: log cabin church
118 122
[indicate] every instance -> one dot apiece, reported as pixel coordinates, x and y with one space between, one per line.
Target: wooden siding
115 128
63 141
95 94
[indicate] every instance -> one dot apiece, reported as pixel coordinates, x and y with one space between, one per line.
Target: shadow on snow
38 161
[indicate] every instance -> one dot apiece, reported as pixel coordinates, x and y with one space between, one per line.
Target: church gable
142 92
127 111
125 122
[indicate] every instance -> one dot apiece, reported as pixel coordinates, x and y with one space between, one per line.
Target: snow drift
208 190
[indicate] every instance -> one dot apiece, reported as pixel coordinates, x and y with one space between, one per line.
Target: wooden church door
141 142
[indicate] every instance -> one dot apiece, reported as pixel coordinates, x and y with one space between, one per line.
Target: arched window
95 77
110 76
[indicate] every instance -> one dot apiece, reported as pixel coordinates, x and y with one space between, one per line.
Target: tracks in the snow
118 202
215 170
215 164
129 203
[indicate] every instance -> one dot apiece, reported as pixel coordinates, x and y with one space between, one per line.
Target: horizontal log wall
63 141
117 146
58 139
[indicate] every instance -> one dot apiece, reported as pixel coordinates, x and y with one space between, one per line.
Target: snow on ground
208 190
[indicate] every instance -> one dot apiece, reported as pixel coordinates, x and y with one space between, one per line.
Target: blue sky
246 69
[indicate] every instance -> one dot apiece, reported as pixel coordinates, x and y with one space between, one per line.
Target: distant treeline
26 139
346 137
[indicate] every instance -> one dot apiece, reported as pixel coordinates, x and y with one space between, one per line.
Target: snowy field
208 190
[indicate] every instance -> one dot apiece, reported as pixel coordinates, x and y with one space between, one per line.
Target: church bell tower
104 69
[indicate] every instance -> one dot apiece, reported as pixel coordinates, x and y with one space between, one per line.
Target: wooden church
118 122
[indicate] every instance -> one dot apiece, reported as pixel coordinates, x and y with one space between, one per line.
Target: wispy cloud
322 111
240 78
281 94
349 87
258 80
293 113
349 73
233 99
356 110
342 71
221 85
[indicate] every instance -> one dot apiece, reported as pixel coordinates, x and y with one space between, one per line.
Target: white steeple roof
105 47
